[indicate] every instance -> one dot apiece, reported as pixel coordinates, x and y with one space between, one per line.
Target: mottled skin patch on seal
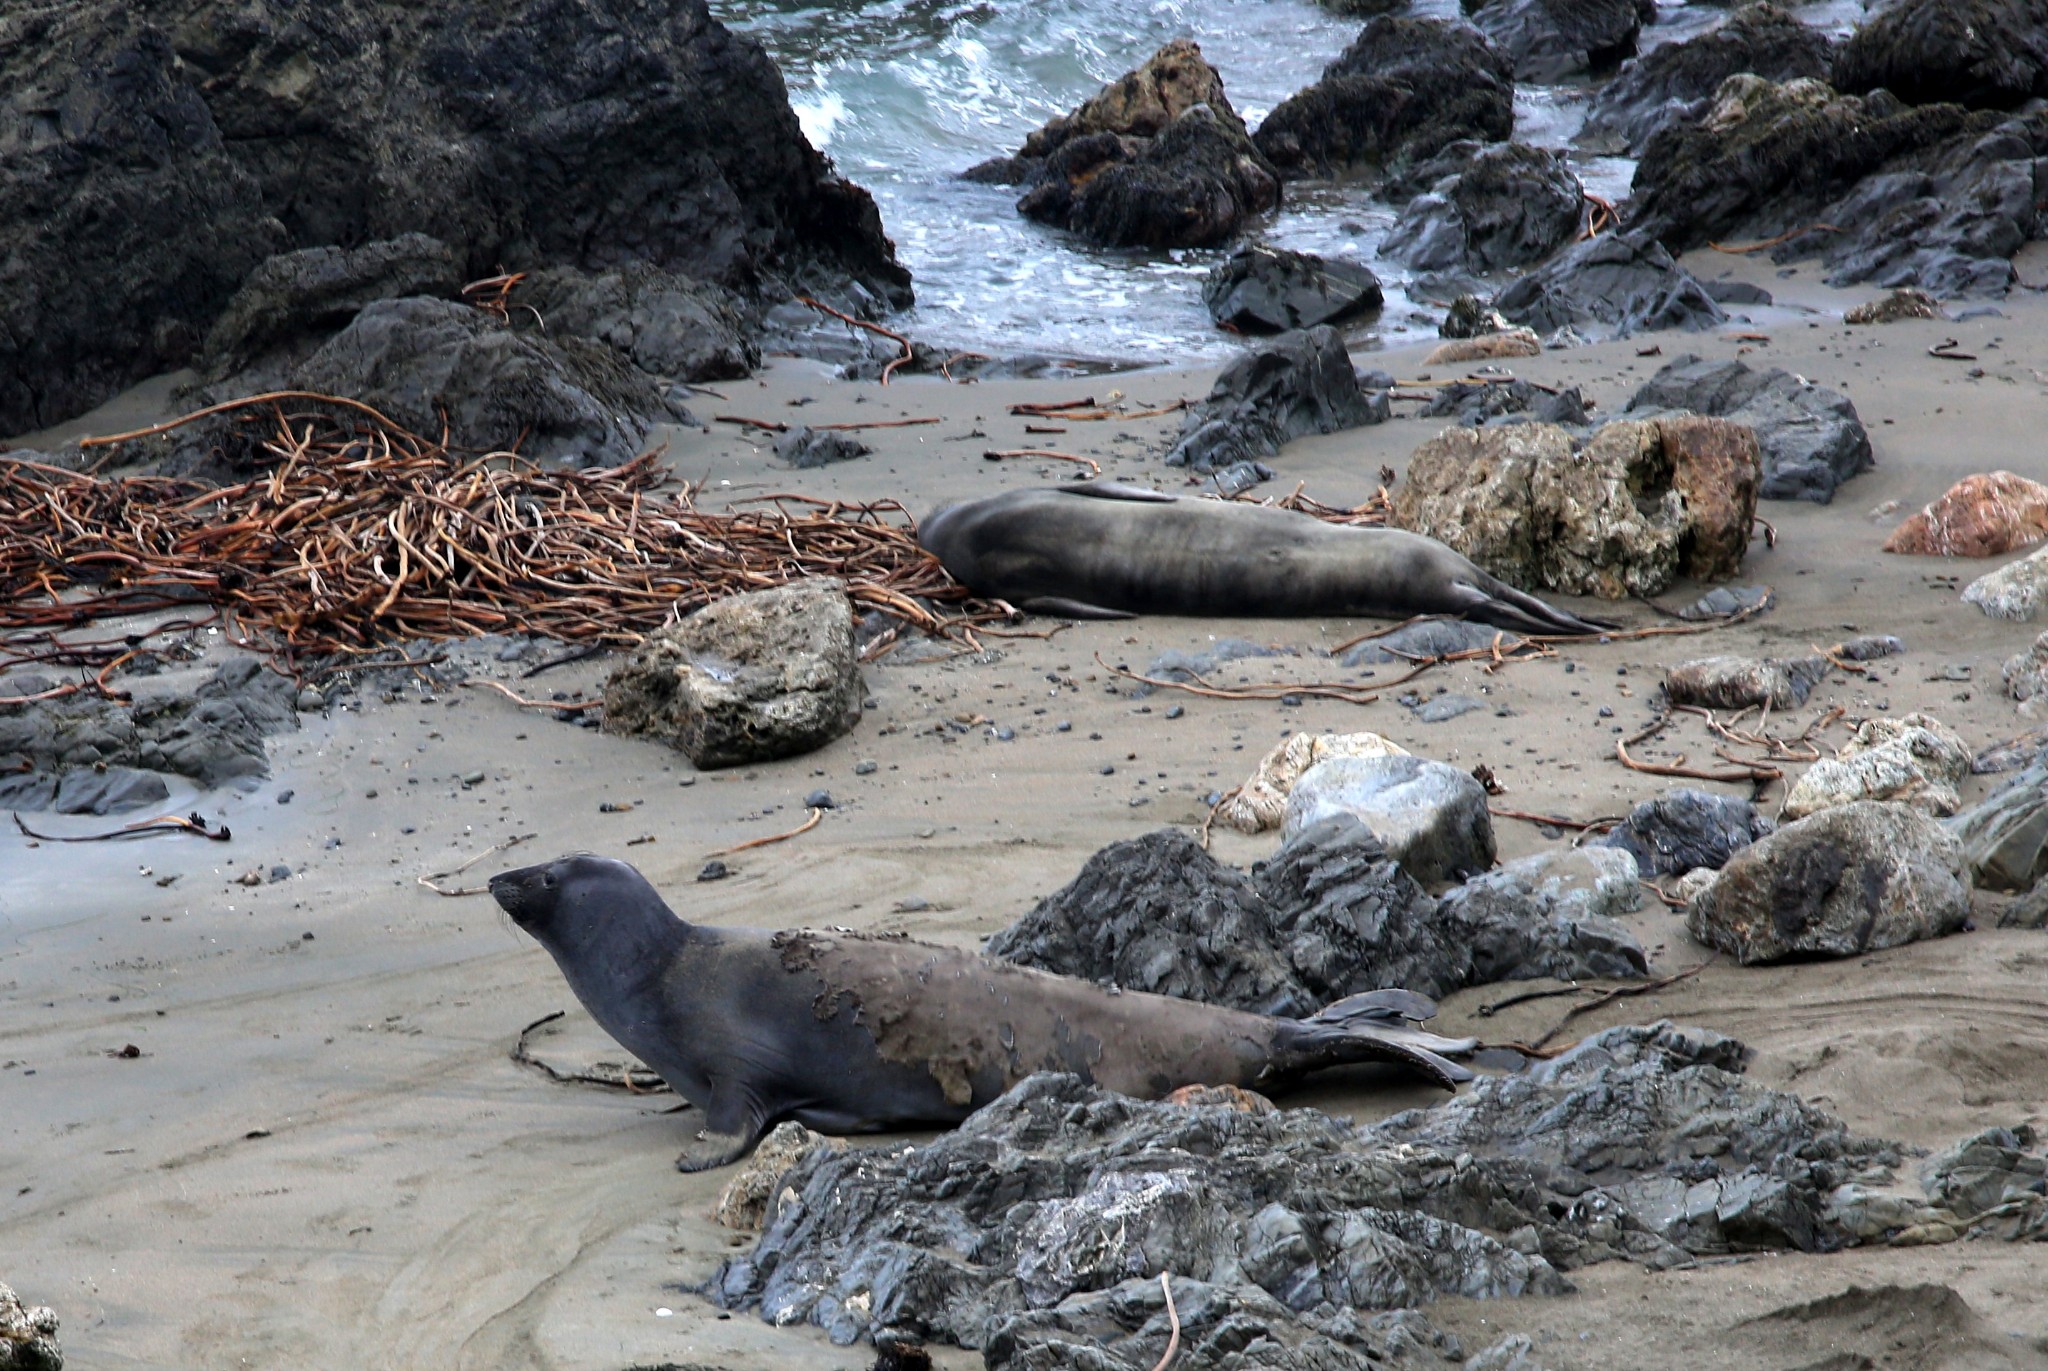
1100 550
849 1032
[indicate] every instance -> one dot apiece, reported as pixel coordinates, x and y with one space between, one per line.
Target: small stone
714 870
1175 711
1063 726
284 797
1006 735
333 842
370 794
819 799
280 872
311 701
470 778
1108 770
865 767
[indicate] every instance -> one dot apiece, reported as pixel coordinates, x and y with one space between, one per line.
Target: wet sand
325 1156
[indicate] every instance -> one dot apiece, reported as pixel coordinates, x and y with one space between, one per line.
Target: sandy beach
321 1152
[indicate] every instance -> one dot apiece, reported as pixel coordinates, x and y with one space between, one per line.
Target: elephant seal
1098 550
849 1032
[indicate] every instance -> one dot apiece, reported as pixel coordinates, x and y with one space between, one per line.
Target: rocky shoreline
1740 897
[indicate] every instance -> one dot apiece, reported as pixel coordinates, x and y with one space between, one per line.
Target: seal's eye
547 880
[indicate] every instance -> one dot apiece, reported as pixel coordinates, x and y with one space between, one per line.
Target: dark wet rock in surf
1556 40
1488 209
1260 289
1611 286
1990 54
1403 91
1668 83
1199 183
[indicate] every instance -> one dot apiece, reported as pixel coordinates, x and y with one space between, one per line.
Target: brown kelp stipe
364 534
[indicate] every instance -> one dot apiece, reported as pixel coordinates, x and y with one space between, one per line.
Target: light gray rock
750 678
2026 673
2005 835
1852 879
2014 591
116 790
1915 759
1430 638
1550 914
1432 817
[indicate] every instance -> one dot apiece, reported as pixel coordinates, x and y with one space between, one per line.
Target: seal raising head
851 1032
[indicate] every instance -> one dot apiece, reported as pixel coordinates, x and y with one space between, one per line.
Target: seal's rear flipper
733 1123
1060 607
709 1150
1497 603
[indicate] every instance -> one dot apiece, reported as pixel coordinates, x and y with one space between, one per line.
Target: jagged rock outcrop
1488 209
1934 196
1611 286
1668 83
155 156
1260 289
1555 40
1989 54
1684 829
1809 437
1403 91
1296 384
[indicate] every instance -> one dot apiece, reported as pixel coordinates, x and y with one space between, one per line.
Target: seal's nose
508 888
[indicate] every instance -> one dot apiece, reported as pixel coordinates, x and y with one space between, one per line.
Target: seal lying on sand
848 1032
1098 550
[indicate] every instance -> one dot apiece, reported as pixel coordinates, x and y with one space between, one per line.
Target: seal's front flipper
709 1150
733 1122
1060 607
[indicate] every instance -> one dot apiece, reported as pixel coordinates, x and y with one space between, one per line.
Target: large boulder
1489 209
1033 1230
1403 91
1555 40
422 362
199 137
1934 196
1198 184
1684 830
1666 83
666 324
1296 384
1809 437
1915 760
1261 802
1984 53
1637 506
750 678
1611 286
295 301
1978 516
1431 817
1856 878
1331 914
1260 289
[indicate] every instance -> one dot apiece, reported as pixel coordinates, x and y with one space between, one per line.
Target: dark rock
1430 638
1684 829
1736 293
28 1335
1329 915
2005 835
1431 817
1030 1230
1554 40
1236 478
1982 53
1197 184
814 447
1258 289
750 678
116 790
1403 91
1441 709
666 324
1851 879
1665 83
1611 286
214 734
294 302
1177 665
106 150
1724 602
1488 209
1471 317
1934 196
1476 403
1810 438
536 132
1296 384
419 361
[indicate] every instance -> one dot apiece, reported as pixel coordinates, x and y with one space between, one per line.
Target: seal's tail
1378 1025
1501 605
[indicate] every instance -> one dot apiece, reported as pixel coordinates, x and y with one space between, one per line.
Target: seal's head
578 894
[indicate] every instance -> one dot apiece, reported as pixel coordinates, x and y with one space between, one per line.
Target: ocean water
906 94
